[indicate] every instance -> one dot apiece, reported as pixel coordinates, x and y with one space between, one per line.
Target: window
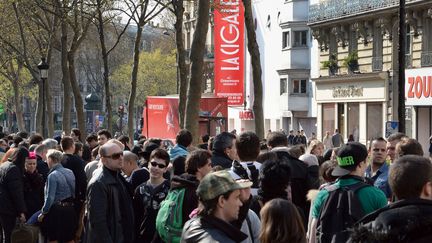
353 41
283 86
285 39
300 38
299 86
374 113
328 117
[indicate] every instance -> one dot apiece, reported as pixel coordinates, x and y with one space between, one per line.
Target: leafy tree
156 76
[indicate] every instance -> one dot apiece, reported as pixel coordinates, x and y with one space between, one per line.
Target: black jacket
110 212
11 190
33 192
210 229
190 183
407 220
220 158
302 178
42 168
76 165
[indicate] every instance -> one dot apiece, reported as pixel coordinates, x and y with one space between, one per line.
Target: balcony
426 59
334 9
377 63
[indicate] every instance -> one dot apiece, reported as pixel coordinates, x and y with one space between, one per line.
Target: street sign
391 127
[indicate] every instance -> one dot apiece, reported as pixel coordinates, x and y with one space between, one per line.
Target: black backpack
339 213
242 173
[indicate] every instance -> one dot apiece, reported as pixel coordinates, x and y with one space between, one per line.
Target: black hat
349 157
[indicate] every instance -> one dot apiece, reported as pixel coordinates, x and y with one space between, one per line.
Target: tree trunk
197 70
256 69
79 105
66 121
134 77
181 60
106 67
17 97
39 111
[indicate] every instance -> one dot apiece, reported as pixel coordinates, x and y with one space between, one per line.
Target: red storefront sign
246 115
418 87
229 50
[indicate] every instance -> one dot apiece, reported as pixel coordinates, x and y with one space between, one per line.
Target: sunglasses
154 164
115 156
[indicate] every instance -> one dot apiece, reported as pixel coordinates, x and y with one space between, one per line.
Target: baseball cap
218 183
349 157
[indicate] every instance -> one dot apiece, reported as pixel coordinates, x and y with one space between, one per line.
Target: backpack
169 218
339 213
242 173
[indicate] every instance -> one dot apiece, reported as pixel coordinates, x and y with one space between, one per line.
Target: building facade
357 82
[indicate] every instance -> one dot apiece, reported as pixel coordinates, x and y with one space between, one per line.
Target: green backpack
169 218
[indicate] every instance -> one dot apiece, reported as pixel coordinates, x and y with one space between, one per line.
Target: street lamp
43 70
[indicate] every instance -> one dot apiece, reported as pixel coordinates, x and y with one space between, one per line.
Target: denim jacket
59 186
380 178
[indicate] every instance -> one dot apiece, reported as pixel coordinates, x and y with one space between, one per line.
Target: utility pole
401 55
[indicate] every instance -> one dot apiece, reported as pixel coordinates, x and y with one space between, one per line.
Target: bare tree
197 69
256 69
141 13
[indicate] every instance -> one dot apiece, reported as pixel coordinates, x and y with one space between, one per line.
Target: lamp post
401 78
43 70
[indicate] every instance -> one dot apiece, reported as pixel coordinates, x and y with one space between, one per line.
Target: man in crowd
219 195
183 140
76 165
378 170
149 195
110 212
302 179
408 219
103 136
352 164
92 141
224 150
337 139
130 161
42 166
392 140
408 146
291 137
248 149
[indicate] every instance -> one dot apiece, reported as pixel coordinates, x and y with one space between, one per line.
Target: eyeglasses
114 156
154 164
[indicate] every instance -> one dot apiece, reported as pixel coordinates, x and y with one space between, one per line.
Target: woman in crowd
58 216
281 222
12 204
33 186
76 134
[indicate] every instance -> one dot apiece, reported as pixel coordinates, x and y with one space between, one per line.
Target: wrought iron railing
377 63
426 59
333 9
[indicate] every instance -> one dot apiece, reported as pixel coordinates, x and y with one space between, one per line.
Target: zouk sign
418 87
229 50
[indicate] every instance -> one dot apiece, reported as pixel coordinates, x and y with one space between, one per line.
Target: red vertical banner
229 50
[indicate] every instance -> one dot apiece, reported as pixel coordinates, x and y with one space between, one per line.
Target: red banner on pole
229 50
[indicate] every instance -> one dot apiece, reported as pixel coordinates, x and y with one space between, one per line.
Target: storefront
418 95
354 104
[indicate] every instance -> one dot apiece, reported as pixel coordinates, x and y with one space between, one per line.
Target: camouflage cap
218 183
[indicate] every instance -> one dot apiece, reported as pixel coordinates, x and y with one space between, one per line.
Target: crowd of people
227 188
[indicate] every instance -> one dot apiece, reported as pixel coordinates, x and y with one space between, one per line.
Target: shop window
285 39
374 120
299 86
300 38
353 120
328 118
283 86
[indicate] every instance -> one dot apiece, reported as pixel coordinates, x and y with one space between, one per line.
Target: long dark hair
18 157
281 222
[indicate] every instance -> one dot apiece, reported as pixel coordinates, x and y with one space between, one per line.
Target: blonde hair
313 145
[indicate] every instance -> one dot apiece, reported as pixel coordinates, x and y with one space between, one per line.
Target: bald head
111 156
130 162
115 141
